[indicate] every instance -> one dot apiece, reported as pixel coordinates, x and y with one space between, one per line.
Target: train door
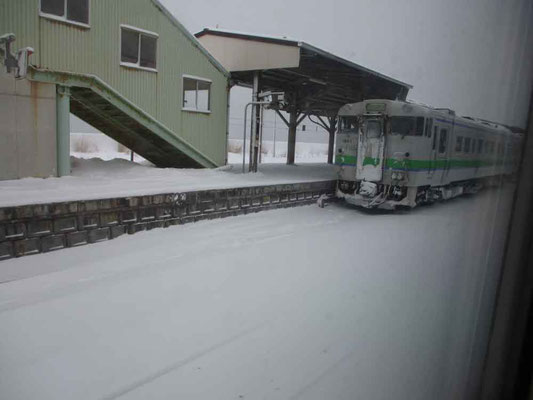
441 161
433 151
370 150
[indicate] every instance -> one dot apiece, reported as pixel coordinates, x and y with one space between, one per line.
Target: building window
196 94
72 11
138 48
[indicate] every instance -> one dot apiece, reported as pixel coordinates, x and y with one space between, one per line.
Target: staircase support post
63 130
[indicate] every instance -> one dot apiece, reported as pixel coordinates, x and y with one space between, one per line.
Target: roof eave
191 37
247 36
341 60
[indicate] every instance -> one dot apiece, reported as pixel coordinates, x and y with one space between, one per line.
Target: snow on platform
95 179
303 303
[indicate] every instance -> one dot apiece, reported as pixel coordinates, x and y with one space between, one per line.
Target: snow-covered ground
101 169
302 303
304 153
95 179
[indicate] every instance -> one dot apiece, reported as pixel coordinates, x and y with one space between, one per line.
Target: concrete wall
32 229
27 128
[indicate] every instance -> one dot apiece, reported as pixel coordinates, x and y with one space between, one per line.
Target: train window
429 122
349 124
443 140
434 145
459 144
487 147
420 126
467 145
480 146
405 126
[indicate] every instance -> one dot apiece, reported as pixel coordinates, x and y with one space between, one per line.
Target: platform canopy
318 81
315 83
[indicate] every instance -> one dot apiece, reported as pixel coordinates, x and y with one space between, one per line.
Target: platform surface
96 179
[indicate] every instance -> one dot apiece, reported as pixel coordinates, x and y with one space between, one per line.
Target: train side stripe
416 165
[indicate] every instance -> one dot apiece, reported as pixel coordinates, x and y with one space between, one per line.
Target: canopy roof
317 81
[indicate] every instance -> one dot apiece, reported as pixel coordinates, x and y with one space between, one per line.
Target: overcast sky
474 56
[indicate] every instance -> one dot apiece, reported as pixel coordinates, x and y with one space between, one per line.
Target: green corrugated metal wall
64 47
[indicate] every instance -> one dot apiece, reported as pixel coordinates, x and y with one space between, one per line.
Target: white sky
474 56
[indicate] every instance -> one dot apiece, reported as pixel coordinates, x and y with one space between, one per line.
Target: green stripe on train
342 159
410 164
427 164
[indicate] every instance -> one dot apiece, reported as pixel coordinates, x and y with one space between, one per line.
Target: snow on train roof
473 122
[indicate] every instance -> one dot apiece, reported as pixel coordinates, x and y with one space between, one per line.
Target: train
398 154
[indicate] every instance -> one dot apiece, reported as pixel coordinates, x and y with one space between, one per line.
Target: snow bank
305 152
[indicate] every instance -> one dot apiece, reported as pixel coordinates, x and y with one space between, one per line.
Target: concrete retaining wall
41 228
27 128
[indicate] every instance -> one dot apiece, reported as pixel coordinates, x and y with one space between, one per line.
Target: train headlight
398 175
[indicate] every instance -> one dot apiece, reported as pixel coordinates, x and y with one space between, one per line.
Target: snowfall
301 303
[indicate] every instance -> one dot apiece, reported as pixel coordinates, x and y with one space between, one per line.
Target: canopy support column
295 118
63 130
291 141
331 127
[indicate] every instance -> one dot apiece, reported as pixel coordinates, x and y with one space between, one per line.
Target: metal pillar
291 142
332 128
63 130
256 127
274 149
261 136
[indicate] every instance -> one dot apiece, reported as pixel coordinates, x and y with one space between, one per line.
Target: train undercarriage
390 197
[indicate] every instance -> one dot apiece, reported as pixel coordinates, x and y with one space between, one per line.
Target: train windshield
402 125
349 124
407 126
373 128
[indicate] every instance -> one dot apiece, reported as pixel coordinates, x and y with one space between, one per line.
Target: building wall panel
96 50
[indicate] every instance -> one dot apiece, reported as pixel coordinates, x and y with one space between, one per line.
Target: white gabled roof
190 36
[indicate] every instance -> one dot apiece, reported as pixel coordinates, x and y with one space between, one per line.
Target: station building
127 67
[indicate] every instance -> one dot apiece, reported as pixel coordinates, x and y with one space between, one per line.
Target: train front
361 156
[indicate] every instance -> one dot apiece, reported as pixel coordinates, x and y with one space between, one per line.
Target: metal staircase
101 106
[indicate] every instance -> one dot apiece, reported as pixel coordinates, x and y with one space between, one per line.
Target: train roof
410 107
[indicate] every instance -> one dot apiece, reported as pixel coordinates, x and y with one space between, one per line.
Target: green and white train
398 154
